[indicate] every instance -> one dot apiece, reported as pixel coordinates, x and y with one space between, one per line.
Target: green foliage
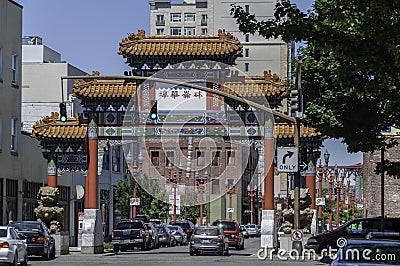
350 65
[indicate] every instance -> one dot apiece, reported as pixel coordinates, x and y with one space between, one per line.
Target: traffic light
153 111
296 103
63 112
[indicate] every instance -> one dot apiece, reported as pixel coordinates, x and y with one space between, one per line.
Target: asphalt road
173 256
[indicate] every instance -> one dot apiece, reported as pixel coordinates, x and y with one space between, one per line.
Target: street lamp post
200 181
230 191
251 192
134 188
174 179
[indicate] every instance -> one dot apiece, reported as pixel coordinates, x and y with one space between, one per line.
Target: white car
13 248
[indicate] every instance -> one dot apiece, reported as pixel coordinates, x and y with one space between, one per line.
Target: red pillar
52 174
91 181
310 183
269 153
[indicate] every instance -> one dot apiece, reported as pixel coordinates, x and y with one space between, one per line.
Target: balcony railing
160 23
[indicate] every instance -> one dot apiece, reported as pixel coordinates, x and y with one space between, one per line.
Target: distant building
206 17
42 93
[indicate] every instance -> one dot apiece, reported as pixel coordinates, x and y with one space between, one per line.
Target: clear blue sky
87 34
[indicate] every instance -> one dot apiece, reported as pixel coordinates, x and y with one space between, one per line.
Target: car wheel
25 261
116 249
192 253
46 256
325 249
227 252
53 253
123 249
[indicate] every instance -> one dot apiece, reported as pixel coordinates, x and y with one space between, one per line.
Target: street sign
230 209
320 201
288 159
178 204
303 166
134 201
297 235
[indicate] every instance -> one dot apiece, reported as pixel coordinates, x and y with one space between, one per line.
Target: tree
350 66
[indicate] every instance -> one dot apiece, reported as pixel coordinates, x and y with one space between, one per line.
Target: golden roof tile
141 45
254 86
104 87
52 127
283 131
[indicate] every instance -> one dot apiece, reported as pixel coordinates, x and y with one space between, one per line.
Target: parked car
165 236
243 229
153 235
187 226
232 231
209 239
180 235
13 247
38 238
384 235
369 252
156 222
356 228
130 234
253 230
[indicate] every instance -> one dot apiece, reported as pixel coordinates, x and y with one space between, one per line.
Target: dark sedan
208 239
38 238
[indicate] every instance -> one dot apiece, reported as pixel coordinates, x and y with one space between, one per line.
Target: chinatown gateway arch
215 130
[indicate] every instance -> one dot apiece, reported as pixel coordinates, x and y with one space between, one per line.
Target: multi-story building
10 109
42 69
206 17
192 17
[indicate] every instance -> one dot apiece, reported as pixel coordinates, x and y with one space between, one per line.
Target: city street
171 256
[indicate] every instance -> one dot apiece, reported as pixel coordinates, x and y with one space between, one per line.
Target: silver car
209 239
13 248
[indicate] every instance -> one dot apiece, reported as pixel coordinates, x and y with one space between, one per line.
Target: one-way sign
288 159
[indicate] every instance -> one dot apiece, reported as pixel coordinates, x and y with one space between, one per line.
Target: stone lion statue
306 214
49 211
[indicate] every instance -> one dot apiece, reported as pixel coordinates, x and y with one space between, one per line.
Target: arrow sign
288 154
288 159
303 165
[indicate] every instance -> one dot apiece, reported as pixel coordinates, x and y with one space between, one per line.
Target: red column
269 153
51 174
310 183
91 181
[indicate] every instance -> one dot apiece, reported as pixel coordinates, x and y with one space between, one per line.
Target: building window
230 158
14 134
155 158
160 32
200 158
176 31
160 20
204 31
115 158
14 70
246 67
216 157
169 158
215 186
176 17
204 20
190 31
247 8
246 52
190 17
247 37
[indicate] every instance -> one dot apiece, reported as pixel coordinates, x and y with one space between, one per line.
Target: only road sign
288 159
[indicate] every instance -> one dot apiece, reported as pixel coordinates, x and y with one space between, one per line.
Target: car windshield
380 254
183 225
3 232
226 225
207 231
174 228
251 226
26 227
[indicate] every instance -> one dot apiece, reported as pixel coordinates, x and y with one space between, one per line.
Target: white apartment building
42 69
206 17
